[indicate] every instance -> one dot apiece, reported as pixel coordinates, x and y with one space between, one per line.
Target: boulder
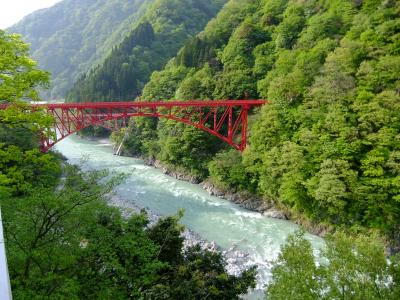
273 213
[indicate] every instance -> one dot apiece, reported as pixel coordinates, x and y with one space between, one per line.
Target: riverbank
268 209
250 202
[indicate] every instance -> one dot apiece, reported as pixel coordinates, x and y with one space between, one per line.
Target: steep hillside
163 29
72 36
328 145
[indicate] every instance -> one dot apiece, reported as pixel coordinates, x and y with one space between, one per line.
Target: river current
246 238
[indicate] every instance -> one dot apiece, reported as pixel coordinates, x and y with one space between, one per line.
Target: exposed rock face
272 213
246 201
175 174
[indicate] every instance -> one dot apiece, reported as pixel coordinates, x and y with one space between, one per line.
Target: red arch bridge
226 120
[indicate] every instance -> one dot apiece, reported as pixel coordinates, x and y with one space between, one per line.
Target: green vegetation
71 37
327 146
62 239
163 29
67 243
18 73
349 268
21 164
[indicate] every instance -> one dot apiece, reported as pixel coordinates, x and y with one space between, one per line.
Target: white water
212 218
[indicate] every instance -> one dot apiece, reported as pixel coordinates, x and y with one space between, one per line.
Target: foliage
186 147
228 172
23 170
21 165
349 268
19 74
202 275
43 229
295 274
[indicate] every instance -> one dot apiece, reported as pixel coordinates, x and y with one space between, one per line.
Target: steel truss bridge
226 119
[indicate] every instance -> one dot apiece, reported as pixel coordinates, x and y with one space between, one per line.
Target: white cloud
11 11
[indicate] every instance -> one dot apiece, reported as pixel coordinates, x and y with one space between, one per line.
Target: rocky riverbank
267 208
245 200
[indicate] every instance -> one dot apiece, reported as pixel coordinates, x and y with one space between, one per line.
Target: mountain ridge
123 74
81 34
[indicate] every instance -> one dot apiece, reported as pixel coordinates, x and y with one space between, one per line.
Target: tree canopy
348 268
19 75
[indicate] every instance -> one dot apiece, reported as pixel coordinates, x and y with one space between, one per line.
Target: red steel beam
195 103
225 124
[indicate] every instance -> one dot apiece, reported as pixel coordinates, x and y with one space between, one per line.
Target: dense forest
72 36
327 146
162 30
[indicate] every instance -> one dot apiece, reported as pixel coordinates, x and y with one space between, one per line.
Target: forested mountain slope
72 36
163 29
328 145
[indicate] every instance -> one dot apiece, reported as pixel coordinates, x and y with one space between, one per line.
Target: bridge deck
197 103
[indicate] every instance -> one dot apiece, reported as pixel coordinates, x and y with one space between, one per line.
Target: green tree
295 274
20 79
228 172
348 268
202 275
23 170
43 229
19 74
21 166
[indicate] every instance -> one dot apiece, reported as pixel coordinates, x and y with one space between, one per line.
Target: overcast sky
11 11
